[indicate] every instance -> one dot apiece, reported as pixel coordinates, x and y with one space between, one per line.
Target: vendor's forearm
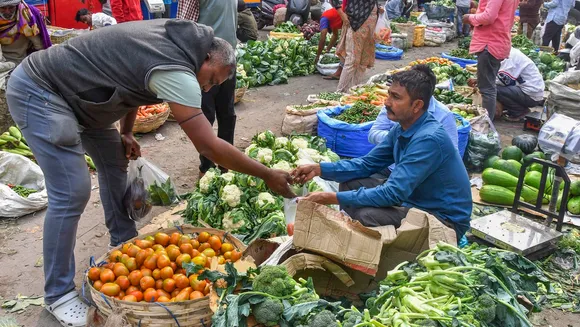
128 121
332 41
321 43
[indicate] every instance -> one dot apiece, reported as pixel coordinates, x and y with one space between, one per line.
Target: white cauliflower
300 143
206 181
281 142
265 198
228 177
250 148
310 154
265 156
231 195
282 165
303 161
232 222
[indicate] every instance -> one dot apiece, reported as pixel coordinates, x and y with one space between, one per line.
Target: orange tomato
169 285
182 258
143 244
236 255
226 247
110 289
140 257
135 276
228 255
163 261
123 282
157 247
163 299
199 260
221 260
161 292
173 253
197 285
215 243
203 237
166 272
146 272
209 252
196 295
181 281
94 273
147 282
130 298
207 289
180 271
174 239
162 238
195 244
156 273
126 247
115 256
131 264
175 292
173 266
151 262
120 269
124 258
195 253
186 248
131 289
203 246
133 250
183 239
158 284
138 294
107 276
183 295
150 295
97 285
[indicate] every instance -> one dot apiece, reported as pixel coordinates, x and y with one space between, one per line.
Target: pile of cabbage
243 204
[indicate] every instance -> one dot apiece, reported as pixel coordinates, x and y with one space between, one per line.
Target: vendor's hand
381 10
321 198
465 19
279 182
305 173
472 82
317 59
132 147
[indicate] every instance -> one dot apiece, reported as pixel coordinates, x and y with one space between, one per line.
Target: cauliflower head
265 156
282 165
235 221
228 177
206 181
265 198
300 143
281 142
231 195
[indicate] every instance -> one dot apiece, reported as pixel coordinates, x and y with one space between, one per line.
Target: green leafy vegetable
359 113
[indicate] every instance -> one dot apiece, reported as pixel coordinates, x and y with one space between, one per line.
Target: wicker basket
547 49
169 314
240 94
58 34
146 125
409 29
280 35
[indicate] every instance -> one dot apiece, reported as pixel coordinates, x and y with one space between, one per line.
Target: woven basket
280 35
190 313
409 29
240 94
58 34
146 125
547 49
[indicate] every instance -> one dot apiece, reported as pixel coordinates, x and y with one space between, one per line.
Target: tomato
203 246
124 258
207 289
203 237
173 266
181 281
135 276
157 247
161 292
182 258
158 284
169 285
147 282
163 261
175 292
162 238
94 273
150 295
290 229
156 273
150 238
110 289
173 253
163 299
126 247
120 269
215 243
197 285
174 239
210 253
151 262
184 239
186 248
131 264
146 272
130 298
133 250
183 295
115 256
97 285
140 257
195 244
180 271
143 244
107 276
131 289
195 253
221 260
196 295
199 260
123 282
236 255
166 272
138 294
228 255
226 247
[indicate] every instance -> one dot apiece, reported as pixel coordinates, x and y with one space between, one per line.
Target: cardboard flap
334 235
303 261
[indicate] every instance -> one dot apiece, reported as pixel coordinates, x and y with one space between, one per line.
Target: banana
15 132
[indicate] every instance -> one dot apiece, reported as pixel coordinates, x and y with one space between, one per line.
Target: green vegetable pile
286 27
311 106
241 77
394 28
401 20
461 53
273 61
162 195
459 75
446 286
359 113
243 204
21 190
449 96
330 96
548 64
463 114
464 43
329 60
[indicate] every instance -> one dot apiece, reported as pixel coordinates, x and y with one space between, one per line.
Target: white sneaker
69 310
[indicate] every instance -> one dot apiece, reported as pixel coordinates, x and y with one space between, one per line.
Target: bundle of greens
329 60
286 27
462 53
464 43
359 113
273 61
548 64
522 43
311 106
448 97
330 96
162 195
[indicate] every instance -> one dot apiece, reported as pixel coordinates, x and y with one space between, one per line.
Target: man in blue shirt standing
555 21
429 174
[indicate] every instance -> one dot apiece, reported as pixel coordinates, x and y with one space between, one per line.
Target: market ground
262 108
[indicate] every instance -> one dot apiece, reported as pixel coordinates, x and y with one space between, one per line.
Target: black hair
241 5
419 82
81 13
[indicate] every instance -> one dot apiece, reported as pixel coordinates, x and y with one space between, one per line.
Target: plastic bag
19 170
483 143
561 134
382 29
327 69
147 185
564 95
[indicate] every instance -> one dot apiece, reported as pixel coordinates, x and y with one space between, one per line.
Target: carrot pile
151 110
372 94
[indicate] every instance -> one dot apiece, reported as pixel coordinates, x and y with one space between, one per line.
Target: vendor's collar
416 126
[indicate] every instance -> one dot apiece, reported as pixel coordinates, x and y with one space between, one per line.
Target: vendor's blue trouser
59 143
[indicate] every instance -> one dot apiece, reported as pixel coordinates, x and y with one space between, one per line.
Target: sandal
69 310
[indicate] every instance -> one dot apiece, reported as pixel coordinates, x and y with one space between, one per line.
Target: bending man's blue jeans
59 144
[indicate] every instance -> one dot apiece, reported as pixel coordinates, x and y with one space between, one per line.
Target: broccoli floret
426 323
485 310
324 318
275 281
268 312
352 319
307 297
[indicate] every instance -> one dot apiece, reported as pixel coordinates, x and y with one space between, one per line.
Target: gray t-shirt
176 86
222 16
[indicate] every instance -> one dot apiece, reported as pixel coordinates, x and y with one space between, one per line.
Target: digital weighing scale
155 6
510 231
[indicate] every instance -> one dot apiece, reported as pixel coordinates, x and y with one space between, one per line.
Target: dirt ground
262 108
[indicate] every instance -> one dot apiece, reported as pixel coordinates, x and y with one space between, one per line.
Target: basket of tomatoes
150 118
152 278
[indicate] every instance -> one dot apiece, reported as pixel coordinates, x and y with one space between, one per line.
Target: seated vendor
22 30
429 174
96 20
247 26
395 8
520 86
331 22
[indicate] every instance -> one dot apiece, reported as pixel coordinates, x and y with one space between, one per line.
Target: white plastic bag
381 33
564 99
19 170
327 69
